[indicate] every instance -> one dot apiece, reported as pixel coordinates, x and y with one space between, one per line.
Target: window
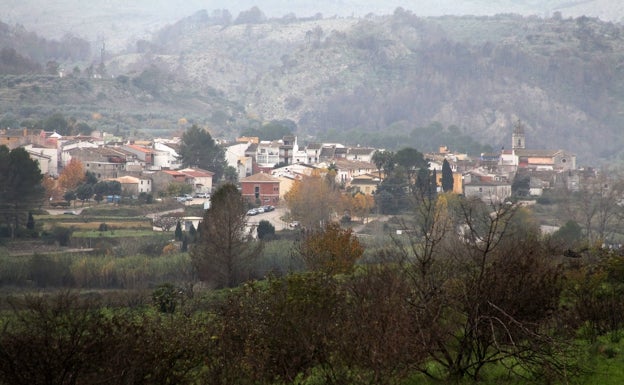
257 192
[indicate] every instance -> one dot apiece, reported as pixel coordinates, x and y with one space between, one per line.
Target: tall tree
225 246
72 175
411 159
447 177
198 149
20 186
312 200
383 161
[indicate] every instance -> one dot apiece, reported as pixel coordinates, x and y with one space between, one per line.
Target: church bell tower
518 137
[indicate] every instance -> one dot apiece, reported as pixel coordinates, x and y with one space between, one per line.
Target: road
275 217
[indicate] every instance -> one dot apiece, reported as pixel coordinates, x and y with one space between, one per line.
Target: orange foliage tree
52 191
72 175
332 250
312 200
362 204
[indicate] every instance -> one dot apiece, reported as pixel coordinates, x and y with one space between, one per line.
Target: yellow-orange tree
72 175
312 200
361 205
332 250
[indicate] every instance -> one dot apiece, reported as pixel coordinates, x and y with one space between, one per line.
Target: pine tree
447 177
178 231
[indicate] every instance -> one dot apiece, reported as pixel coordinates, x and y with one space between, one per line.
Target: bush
61 235
266 231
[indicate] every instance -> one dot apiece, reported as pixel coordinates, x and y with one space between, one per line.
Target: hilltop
375 80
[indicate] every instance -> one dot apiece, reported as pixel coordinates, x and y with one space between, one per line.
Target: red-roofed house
261 187
201 180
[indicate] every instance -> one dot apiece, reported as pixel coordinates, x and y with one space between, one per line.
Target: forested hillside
379 80
385 77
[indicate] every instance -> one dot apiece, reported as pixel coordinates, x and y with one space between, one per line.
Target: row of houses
266 169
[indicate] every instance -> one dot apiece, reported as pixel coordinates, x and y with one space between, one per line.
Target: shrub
266 231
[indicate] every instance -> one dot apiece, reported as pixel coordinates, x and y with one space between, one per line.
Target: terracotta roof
173 173
197 172
140 148
260 178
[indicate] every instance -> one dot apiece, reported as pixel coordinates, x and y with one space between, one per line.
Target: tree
569 236
411 160
383 160
165 222
90 178
332 250
497 291
198 149
72 175
178 231
230 175
361 204
225 247
311 200
30 224
265 230
21 186
57 122
84 192
70 196
110 187
447 177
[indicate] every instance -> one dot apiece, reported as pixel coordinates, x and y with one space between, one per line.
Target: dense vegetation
499 305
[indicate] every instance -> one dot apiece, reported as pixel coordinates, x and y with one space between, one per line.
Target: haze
120 22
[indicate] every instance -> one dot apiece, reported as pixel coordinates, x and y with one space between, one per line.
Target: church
535 159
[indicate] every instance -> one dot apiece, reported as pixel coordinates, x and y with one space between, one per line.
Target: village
267 169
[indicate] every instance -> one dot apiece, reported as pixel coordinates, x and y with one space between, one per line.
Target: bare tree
484 291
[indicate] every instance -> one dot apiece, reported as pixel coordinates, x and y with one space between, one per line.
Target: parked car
260 210
184 198
71 212
202 195
252 212
268 208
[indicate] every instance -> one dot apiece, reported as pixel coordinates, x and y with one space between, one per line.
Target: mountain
387 81
384 79
119 23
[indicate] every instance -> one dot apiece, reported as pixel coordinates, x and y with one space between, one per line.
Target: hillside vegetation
380 79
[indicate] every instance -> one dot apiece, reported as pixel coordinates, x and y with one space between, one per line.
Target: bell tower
517 137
